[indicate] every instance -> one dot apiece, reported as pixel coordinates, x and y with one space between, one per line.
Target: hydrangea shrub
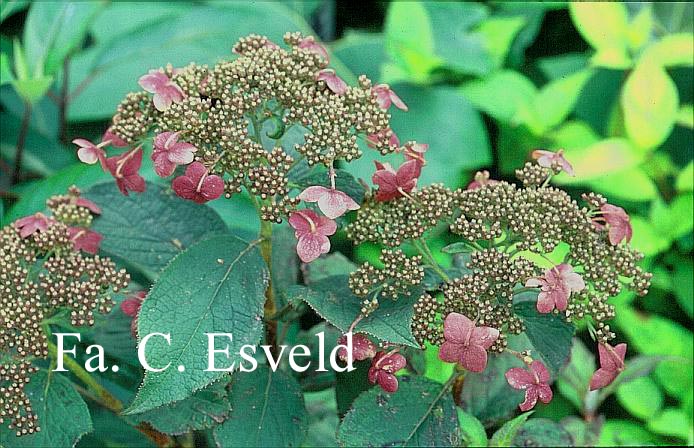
524 264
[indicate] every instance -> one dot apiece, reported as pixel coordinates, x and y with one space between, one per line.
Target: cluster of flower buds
517 241
43 270
246 122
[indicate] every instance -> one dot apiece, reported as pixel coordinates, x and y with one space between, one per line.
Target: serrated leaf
332 299
267 410
63 415
216 286
504 436
420 413
328 266
471 429
549 334
487 395
542 432
202 410
650 103
149 229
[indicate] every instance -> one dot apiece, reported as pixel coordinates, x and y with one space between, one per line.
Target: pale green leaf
685 116
671 51
685 179
641 27
672 422
472 430
650 104
6 75
604 25
598 159
31 90
632 184
500 94
557 99
641 397
498 34
647 237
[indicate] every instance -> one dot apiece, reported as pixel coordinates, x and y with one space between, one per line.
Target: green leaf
625 433
54 30
323 419
344 182
31 90
683 285
599 159
673 220
35 196
332 299
409 39
647 237
632 184
21 69
457 248
149 229
498 34
267 410
685 116
6 75
215 286
542 432
562 65
656 335
361 52
672 422
349 385
557 99
550 335
328 266
504 436
63 415
444 119
9 7
204 409
420 413
487 395
605 27
672 50
203 34
500 94
641 397
650 104
641 28
575 378
471 429
685 179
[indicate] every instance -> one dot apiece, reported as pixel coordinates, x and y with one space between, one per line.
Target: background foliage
611 83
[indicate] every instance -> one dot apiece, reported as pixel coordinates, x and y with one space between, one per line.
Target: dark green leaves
149 229
204 409
63 415
332 299
216 286
267 410
420 413
549 334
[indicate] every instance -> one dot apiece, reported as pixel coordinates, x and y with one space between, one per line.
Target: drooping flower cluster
43 270
511 244
244 124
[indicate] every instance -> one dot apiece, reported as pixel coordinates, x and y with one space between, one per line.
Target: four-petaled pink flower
164 89
549 159
611 364
416 151
124 168
385 97
618 223
394 184
88 152
84 239
131 307
309 43
465 343
333 203
534 382
312 231
481 179
111 138
383 368
556 286
334 82
38 222
198 185
169 152
362 347
373 140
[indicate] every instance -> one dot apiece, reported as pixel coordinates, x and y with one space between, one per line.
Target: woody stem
270 306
